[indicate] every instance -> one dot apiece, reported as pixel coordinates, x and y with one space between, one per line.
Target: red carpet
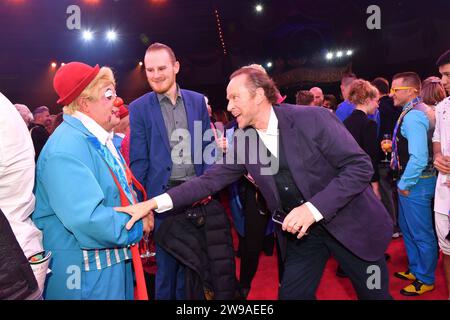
265 283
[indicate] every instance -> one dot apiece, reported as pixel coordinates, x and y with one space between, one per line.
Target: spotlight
349 52
329 56
269 64
339 54
54 64
62 64
259 8
141 63
88 35
111 35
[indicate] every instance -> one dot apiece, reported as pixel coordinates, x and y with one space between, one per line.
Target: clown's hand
137 211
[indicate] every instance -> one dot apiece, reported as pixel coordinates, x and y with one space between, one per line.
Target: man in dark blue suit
318 176
161 121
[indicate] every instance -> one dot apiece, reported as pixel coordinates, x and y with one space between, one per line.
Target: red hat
71 79
123 111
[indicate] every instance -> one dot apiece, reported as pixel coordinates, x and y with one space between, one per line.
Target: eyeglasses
394 90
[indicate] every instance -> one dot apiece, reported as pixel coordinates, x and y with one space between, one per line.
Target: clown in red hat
81 176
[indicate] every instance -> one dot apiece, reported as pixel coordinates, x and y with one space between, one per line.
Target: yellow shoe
405 275
416 288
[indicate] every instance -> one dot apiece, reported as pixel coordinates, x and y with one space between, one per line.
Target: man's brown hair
160 46
258 79
304 97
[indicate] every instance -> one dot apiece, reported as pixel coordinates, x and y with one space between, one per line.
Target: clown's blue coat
75 196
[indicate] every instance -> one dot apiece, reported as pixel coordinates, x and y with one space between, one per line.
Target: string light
88 35
219 30
111 35
338 54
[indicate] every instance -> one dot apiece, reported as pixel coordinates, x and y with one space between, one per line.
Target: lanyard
395 162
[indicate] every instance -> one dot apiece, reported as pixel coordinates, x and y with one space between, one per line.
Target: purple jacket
329 168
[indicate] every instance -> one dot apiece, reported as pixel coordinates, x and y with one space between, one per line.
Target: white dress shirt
270 139
121 135
17 170
101 134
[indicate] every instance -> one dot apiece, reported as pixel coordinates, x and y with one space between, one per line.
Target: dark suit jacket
39 135
17 281
330 170
364 131
150 158
388 118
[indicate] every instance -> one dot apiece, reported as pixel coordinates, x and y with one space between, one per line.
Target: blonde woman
365 98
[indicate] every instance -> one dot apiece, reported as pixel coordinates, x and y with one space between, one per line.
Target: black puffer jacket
17 281
201 240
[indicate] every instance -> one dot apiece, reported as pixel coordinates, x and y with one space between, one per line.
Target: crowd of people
79 190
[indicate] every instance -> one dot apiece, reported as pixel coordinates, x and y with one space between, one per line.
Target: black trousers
389 196
252 243
306 259
255 239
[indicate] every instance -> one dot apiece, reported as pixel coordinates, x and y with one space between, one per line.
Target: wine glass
386 145
147 254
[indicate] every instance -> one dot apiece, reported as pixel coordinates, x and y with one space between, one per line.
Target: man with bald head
318 96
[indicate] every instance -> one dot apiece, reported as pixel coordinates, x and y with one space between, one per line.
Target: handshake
139 211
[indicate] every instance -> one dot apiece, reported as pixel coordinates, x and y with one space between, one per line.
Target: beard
161 87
